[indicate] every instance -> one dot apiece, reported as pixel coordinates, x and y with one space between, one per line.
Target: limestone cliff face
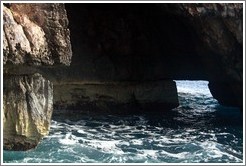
116 97
28 106
35 35
125 57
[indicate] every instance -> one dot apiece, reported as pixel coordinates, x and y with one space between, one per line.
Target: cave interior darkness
138 37
134 42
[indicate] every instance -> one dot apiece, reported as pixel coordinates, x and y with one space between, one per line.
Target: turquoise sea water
198 131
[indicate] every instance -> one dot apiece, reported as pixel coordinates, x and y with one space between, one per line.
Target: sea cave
77 64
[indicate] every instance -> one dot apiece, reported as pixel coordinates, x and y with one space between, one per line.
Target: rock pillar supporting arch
122 54
35 35
28 106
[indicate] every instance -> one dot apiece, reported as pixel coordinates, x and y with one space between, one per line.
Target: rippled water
200 130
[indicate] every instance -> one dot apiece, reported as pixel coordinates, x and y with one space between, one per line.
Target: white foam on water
27 159
69 139
214 152
92 130
105 146
224 134
124 143
148 153
108 141
181 155
165 140
138 139
81 131
128 136
55 135
136 142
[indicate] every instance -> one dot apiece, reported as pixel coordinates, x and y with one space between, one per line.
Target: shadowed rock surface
113 97
125 56
155 42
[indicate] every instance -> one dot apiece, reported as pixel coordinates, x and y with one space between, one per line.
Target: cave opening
193 87
127 56
140 43
130 48
195 94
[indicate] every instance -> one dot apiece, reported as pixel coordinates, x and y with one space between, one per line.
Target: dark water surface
200 130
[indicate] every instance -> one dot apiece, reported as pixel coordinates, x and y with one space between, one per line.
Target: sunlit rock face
35 35
25 40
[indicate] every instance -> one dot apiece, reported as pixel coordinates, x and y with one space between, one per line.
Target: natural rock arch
153 42
125 56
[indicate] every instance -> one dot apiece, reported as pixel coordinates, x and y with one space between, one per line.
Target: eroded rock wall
118 60
154 42
220 29
35 35
124 56
28 106
116 97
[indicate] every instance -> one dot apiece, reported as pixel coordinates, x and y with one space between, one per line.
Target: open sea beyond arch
198 131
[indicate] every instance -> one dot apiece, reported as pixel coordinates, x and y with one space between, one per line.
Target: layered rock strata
125 57
27 106
116 97
154 42
35 35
